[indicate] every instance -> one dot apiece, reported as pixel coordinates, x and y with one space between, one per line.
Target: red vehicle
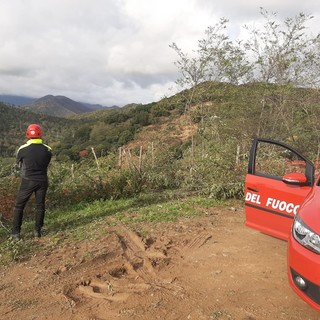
282 199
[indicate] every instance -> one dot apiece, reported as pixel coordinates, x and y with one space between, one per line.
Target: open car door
278 180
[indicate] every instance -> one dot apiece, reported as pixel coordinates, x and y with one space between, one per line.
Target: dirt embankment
211 267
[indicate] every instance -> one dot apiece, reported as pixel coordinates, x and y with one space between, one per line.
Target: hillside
58 106
14 122
221 112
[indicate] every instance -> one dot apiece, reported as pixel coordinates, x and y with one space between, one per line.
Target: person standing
33 159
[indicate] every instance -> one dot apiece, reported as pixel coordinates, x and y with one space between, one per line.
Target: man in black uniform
33 158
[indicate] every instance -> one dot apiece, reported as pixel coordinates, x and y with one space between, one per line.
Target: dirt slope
211 267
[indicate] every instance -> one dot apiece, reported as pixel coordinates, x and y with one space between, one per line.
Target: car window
276 161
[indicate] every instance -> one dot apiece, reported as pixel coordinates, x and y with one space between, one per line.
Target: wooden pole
72 171
238 155
140 159
120 157
95 157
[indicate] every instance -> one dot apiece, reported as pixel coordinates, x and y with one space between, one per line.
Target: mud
210 267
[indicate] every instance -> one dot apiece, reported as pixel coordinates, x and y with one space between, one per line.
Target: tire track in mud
198 241
131 276
127 267
56 284
144 259
135 272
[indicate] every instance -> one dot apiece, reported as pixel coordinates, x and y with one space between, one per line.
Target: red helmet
34 131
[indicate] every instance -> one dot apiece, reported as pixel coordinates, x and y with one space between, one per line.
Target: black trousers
27 188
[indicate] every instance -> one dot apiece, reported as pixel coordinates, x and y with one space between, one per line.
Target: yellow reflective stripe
23 146
49 148
36 141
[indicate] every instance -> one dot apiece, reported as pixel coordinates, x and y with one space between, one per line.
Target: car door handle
251 189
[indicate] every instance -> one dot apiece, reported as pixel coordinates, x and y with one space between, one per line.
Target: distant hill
37 104
16 100
58 106
14 122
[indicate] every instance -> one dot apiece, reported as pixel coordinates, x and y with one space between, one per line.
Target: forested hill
58 106
14 122
227 117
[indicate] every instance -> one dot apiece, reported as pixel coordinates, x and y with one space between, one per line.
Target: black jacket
33 159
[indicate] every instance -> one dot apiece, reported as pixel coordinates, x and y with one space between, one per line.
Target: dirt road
211 267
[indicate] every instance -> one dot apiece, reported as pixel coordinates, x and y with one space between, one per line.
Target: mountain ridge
58 106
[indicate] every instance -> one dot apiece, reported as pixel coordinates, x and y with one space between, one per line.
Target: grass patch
216 314
12 250
23 304
167 211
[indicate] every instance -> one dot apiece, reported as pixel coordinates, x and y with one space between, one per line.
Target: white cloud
111 51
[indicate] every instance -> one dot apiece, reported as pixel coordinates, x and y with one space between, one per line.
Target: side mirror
295 178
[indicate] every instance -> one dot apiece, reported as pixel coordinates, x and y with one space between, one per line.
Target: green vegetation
193 143
210 162
13 125
87 221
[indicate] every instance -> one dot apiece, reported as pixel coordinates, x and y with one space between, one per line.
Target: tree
284 54
217 58
82 134
199 68
276 53
98 132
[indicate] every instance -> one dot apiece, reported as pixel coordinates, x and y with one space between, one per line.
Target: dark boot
17 220
37 233
39 220
15 236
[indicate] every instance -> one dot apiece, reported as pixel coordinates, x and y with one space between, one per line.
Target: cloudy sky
113 52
